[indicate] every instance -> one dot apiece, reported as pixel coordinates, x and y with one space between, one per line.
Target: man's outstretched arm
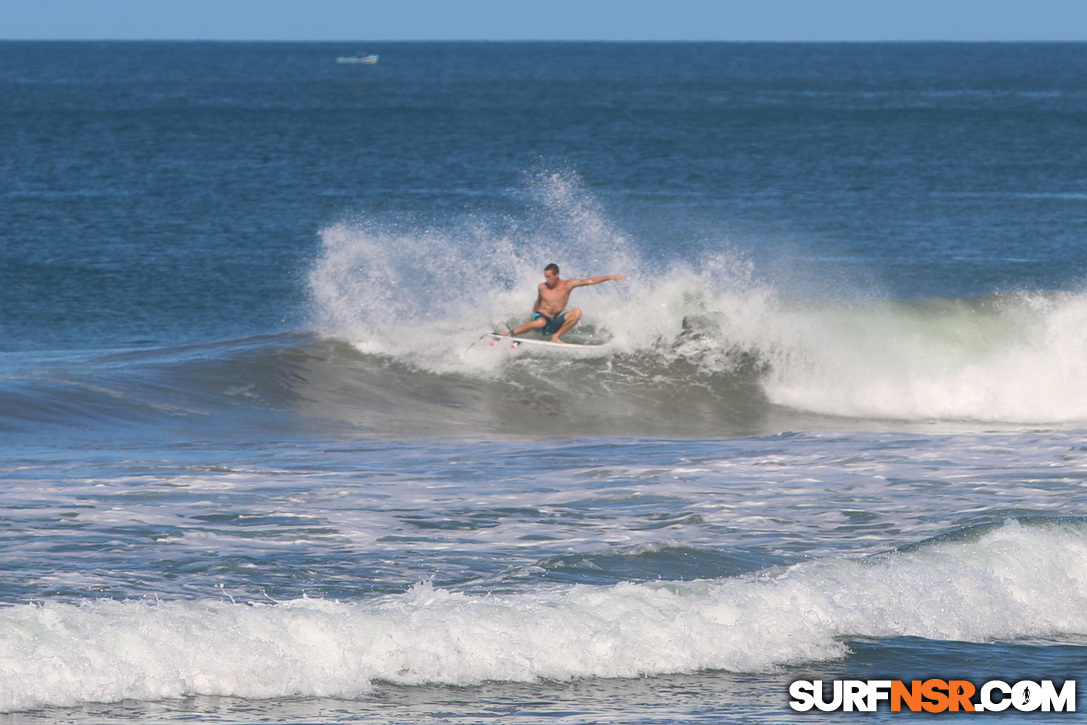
596 280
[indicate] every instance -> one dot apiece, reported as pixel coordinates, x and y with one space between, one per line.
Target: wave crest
971 589
711 345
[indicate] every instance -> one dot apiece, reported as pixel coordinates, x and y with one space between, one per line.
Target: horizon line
535 40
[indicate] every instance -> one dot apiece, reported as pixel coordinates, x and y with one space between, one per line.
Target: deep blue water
258 464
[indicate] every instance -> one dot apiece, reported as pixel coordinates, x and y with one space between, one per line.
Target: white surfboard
528 344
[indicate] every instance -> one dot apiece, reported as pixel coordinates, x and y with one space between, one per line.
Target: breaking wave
701 348
993 583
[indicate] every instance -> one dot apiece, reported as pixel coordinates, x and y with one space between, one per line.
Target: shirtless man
551 299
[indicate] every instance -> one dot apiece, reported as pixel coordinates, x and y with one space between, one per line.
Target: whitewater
678 331
322 648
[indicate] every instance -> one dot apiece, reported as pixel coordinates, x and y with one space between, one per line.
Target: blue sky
775 20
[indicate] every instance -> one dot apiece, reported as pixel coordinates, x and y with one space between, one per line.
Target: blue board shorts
553 323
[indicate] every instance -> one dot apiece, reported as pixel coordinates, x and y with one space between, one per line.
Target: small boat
368 59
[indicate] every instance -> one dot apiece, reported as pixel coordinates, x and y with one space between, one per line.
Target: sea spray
424 293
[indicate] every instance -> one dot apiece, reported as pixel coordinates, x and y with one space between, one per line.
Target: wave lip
1012 582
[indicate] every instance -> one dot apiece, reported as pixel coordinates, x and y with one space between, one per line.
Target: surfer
553 293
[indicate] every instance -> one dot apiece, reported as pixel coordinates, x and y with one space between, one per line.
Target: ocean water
259 465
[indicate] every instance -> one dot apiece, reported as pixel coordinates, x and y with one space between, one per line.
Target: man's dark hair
552 268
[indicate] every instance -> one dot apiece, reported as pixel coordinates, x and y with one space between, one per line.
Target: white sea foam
1012 582
425 295
1019 361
